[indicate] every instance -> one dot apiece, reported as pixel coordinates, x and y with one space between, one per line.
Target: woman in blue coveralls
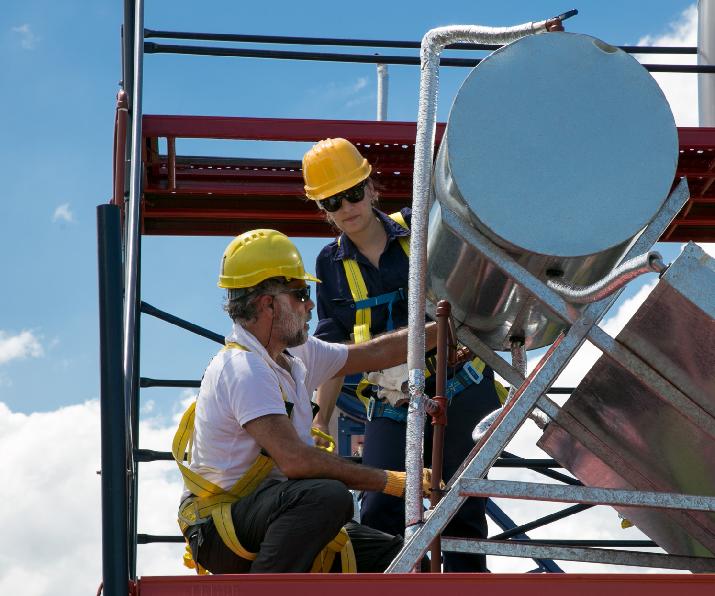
373 246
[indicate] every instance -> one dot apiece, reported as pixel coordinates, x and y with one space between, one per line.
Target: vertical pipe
439 422
120 142
133 500
128 49
131 280
383 86
115 567
706 55
171 159
432 45
133 216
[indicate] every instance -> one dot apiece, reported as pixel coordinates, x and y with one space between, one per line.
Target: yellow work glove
395 484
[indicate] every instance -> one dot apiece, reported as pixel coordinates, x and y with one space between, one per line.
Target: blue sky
61 64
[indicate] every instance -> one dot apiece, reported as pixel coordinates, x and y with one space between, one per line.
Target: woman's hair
240 302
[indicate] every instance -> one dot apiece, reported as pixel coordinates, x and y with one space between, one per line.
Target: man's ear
267 301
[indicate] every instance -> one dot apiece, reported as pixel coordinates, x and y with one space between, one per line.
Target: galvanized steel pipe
120 144
131 258
706 57
383 85
650 262
518 361
433 43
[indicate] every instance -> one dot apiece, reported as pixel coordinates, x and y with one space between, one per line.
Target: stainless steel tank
560 148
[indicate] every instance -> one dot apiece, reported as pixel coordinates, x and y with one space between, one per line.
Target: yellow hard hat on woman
258 255
331 166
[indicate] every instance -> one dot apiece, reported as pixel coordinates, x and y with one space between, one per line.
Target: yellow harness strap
358 290
502 392
340 544
403 240
209 499
361 329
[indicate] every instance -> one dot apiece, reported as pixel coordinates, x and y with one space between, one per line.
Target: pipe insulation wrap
433 43
383 86
414 446
650 262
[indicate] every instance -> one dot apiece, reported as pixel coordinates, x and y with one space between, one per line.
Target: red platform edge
458 584
190 195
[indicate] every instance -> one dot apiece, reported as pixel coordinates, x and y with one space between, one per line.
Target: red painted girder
424 584
696 137
280 129
220 195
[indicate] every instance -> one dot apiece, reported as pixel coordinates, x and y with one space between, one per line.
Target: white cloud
346 94
681 89
63 213
28 40
23 345
54 519
360 84
708 247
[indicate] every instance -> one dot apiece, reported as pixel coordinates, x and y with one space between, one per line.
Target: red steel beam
194 195
280 129
463 584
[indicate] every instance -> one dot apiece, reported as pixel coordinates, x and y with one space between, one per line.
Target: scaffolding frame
120 227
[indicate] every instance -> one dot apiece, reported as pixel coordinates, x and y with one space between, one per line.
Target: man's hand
322 437
395 485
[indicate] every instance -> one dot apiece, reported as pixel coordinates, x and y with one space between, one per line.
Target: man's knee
335 497
328 497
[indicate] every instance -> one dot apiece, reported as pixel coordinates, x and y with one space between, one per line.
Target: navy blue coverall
384 445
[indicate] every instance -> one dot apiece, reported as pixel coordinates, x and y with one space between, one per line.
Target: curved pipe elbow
650 262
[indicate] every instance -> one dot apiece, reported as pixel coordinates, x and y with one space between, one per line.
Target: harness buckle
473 373
189 514
371 408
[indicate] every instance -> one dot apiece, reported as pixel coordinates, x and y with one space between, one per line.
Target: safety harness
210 501
471 372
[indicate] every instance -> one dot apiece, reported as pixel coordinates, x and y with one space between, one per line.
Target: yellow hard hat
331 166
258 255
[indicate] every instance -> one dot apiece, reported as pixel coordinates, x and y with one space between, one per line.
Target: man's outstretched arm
384 351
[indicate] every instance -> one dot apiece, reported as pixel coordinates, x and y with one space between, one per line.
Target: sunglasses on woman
354 194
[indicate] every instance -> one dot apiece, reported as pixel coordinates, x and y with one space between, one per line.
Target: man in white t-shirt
254 404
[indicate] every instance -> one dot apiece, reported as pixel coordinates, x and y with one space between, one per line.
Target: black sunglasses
301 294
354 194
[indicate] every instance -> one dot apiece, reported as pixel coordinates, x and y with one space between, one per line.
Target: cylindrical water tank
559 148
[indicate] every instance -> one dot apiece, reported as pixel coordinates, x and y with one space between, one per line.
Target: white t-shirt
239 386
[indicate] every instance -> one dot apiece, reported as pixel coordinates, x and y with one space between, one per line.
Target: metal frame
120 350
531 394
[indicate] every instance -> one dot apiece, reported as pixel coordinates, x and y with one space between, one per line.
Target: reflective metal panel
560 149
678 337
616 432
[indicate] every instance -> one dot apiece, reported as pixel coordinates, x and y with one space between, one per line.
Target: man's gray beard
298 339
295 337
